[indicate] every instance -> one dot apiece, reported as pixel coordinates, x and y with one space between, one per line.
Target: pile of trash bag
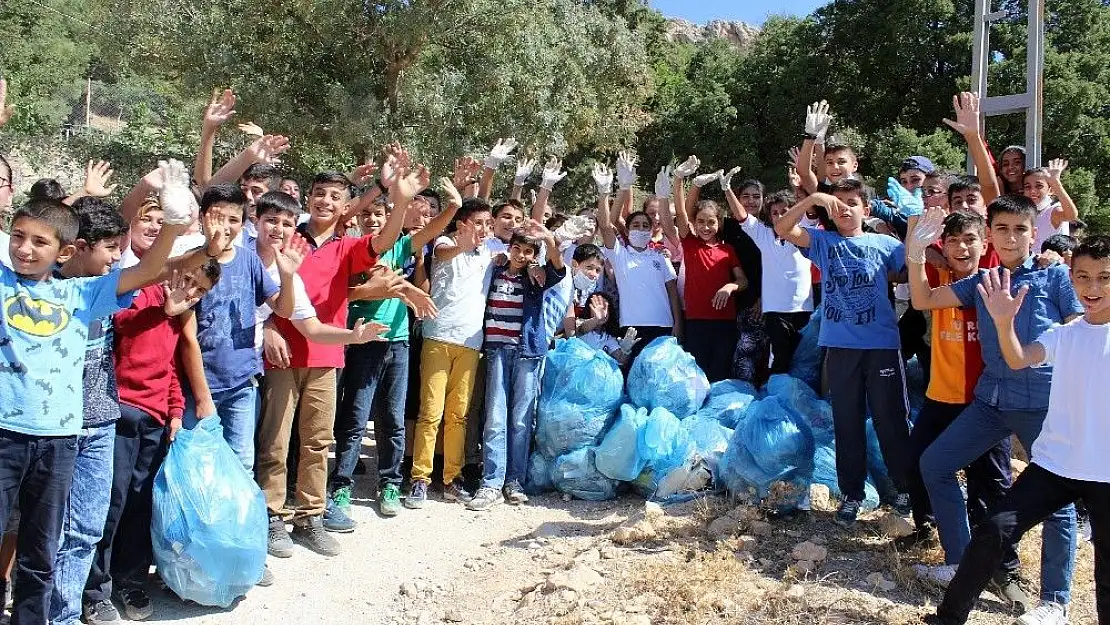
770 453
728 401
209 526
580 389
803 401
576 474
665 376
618 456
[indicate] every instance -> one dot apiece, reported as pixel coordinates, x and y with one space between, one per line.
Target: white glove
818 120
726 178
688 167
629 341
924 234
603 177
626 171
663 182
178 202
524 169
500 153
552 173
705 179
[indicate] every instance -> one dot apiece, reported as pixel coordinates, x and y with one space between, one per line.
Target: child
1068 459
787 277
515 346
1011 170
44 329
587 266
375 376
860 335
1062 245
598 328
1041 185
1006 402
956 363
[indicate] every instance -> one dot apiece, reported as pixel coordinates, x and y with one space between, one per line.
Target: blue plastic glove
909 204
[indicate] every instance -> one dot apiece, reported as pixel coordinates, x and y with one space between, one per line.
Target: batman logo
35 316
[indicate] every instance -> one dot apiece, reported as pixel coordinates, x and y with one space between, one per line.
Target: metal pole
1034 81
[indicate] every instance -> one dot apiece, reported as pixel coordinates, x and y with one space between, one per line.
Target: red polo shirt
326 273
708 267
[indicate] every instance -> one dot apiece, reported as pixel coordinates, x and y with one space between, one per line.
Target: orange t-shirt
957 359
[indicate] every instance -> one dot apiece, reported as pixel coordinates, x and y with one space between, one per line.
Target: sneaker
1006 585
514 494
389 500
310 532
341 497
455 491
485 499
418 494
279 545
939 575
336 520
934 619
1048 613
922 535
902 504
101 612
267 578
849 510
136 603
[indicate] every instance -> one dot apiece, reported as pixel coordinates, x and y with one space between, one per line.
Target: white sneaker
940 575
1047 613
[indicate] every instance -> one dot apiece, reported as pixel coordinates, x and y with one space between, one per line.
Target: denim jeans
976 430
238 411
512 390
375 379
38 471
83 525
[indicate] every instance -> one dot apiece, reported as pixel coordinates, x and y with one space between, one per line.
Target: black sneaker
902 504
1007 586
136 603
267 578
101 612
514 494
456 491
310 532
933 619
279 544
849 510
418 494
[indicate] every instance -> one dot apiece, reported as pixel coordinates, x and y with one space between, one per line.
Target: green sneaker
389 500
341 498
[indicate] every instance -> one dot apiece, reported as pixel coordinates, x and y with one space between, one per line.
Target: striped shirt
504 310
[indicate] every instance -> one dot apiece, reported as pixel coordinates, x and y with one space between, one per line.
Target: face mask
1045 202
583 283
639 239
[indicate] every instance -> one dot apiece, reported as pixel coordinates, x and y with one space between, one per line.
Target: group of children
219 296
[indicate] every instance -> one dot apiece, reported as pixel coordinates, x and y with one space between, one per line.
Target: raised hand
966 105
499 153
603 178
179 297
704 179
466 168
409 183
599 309
553 172
1056 168
268 149
364 332
178 203
626 170
6 110
726 178
390 171
363 173
909 204
629 341
688 167
818 120
995 291
663 182
524 169
293 254
216 231
793 177
97 176
251 128
219 109
466 237
925 233
792 156
450 193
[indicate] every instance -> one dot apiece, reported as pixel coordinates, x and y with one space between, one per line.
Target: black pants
712 344
784 331
125 553
1035 496
37 472
646 335
875 379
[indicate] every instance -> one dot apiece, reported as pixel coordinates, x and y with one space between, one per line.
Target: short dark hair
99 220
837 146
635 214
519 238
964 183
1011 205
1060 243
277 202
853 185
265 173
62 219
223 194
709 205
555 221
332 177
586 251
432 197
1078 224
959 222
750 183
47 189
1095 247
469 207
500 208
776 198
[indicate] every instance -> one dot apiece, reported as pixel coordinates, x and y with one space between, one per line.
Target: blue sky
750 11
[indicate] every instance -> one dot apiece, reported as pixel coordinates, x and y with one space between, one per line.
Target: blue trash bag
803 401
724 387
709 437
824 472
576 474
672 464
770 455
210 526
727 408
806 364
618 457
666 376
539 475
580 389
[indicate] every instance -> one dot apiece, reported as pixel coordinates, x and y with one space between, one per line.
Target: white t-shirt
459 288
642 279
1076 429
1044 226
787 281
302 305
5 240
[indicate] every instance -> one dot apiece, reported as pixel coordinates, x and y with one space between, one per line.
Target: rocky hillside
739 34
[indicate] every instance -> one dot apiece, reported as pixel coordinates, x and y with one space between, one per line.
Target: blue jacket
534 342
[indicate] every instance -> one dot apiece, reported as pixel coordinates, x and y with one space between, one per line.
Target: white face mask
639 239
1045 202
584 283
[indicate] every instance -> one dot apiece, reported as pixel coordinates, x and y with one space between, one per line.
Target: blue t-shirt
856 291
226 320
44 331
1050 301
